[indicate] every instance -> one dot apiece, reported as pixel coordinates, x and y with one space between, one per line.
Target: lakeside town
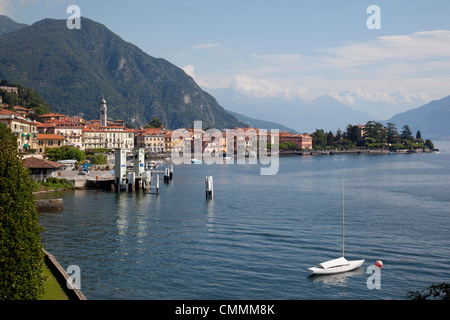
57 130
38 138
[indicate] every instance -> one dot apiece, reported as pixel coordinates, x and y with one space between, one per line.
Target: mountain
303 116
73 69
8 25
432 119
260 124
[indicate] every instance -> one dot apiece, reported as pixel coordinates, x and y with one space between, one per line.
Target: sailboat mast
342 191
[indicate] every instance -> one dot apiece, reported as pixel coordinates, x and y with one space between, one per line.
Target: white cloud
394 70
209 81
207 46
268 88
386 49
189 69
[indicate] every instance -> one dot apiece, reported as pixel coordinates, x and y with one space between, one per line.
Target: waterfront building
109 137
66 128
24 129
152 139
48 140
172 143
301 141
40 169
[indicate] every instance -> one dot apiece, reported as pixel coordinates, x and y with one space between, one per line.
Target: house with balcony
23 128
70 130
108 137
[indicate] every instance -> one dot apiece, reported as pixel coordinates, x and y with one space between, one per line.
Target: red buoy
379 264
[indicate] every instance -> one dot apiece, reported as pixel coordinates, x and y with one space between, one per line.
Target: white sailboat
340 264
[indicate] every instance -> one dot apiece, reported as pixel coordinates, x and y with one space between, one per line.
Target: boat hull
349 266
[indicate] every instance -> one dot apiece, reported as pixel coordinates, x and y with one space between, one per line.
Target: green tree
98 158
330 139
319 139
339 135
430 144
154 123
418 135
376 131
406 133
353 134
392 133
65 153
21 255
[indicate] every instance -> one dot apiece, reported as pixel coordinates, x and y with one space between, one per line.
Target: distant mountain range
261 124
72 69
432 119
303 116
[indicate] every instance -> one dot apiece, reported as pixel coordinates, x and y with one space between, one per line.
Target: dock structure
137 177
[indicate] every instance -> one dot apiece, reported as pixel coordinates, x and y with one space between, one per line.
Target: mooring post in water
171 172
209 185
157 184
166 175
148 181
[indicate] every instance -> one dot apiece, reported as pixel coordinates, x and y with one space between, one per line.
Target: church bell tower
103 116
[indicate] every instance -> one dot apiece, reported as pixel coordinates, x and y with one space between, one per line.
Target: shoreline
354 152
81 182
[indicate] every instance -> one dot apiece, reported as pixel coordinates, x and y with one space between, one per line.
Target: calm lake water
258 236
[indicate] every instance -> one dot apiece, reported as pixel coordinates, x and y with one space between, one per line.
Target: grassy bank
52 184
52 288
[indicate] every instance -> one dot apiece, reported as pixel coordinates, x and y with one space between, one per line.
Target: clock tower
103 116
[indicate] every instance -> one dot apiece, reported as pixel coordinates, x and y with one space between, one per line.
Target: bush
55 183
434 292
21 255
65 153
98 159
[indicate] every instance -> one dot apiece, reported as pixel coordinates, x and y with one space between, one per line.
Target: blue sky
285 49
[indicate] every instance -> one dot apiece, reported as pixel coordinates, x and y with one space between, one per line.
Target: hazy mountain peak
8 25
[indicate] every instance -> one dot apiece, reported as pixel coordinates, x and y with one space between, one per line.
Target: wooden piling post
171 172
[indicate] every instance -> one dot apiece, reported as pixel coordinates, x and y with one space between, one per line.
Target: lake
258 236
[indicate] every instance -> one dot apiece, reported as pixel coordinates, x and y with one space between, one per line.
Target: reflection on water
210 214
335 279
258 235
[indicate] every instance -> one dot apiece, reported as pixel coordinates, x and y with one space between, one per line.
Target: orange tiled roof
7 112
52 114
48 136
